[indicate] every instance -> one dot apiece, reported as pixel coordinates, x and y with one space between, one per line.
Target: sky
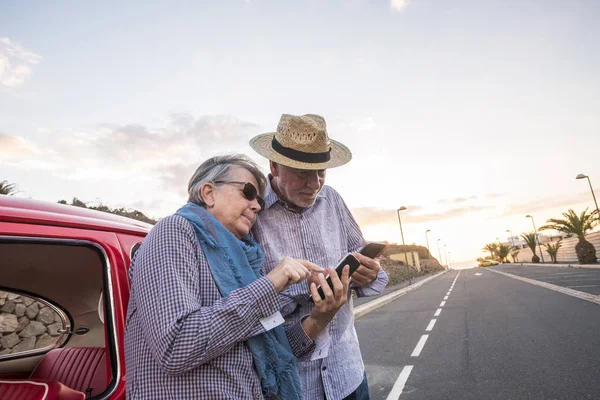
472 114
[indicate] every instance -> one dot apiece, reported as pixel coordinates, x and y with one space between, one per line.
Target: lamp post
450 259
402 233
581 176
536 236
446 255
427 239
439 251
512 239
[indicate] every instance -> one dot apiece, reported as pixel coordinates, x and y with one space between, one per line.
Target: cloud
457 200
15 146
369 216
547 203
166 154
15 63
183 138
399 5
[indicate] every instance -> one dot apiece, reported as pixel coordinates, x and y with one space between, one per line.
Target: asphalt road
494 338
582 279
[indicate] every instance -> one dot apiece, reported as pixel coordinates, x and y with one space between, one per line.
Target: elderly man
305 219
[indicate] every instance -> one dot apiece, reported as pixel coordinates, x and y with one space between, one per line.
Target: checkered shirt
182 339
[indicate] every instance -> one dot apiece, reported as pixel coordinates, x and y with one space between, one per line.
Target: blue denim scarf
234 264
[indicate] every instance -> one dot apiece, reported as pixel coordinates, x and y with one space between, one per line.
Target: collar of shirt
272 198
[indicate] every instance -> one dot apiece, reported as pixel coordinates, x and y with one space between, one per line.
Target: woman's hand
290 271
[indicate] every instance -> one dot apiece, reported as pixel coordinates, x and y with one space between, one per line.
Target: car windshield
464 134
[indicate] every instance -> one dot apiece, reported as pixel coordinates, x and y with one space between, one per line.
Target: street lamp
449 258
536 236
581 176
427 239
402 233
439 252
512 239
446 254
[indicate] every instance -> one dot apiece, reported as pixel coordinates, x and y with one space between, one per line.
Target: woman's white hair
217 169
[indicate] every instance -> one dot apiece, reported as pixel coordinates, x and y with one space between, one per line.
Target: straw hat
301 142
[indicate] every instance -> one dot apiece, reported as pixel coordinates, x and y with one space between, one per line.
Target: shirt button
324 369
257 395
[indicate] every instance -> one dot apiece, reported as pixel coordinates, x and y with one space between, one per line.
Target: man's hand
367 272
325 309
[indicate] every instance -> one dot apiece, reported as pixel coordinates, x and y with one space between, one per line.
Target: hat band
297 155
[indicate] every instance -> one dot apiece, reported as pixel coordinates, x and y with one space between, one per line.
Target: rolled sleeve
374 288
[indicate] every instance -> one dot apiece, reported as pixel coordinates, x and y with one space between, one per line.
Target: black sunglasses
249 191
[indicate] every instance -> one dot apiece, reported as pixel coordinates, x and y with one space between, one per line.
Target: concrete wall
566 254
413 259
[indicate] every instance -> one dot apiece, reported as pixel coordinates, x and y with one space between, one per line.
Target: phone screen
349 260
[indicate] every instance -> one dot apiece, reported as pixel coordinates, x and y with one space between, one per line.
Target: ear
207 192
274 171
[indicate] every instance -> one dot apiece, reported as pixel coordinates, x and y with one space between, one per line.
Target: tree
515 253
8 189
134 214
553 249
503 252
531 242
492 248
576 226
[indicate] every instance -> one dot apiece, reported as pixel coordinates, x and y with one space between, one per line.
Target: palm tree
531 242
492 248
553 249
577 225
515 253
9 189
503 251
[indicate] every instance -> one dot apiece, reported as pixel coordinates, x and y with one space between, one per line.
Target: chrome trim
109 288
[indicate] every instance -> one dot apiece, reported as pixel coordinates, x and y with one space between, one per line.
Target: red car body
113 237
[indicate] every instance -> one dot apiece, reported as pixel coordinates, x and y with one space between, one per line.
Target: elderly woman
202 321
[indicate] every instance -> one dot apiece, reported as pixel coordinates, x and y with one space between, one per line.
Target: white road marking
438 312
400 382
431 325
448 294
478 274
584 286
420 346
445 297
443 303
571 292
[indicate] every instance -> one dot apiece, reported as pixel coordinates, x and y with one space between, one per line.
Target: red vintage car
64 291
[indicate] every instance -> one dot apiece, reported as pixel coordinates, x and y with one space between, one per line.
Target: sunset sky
471 114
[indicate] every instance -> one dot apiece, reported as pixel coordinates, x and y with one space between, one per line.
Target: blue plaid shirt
322 234
182 339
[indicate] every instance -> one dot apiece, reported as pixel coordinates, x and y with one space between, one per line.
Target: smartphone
373 249
349 260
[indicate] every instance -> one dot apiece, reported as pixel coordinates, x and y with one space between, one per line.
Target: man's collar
272 198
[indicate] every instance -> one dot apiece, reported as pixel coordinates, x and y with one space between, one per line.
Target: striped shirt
182 339
322 234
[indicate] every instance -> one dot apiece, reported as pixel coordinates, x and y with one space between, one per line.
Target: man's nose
313 182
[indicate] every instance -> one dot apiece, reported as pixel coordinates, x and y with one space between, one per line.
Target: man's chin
305 203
